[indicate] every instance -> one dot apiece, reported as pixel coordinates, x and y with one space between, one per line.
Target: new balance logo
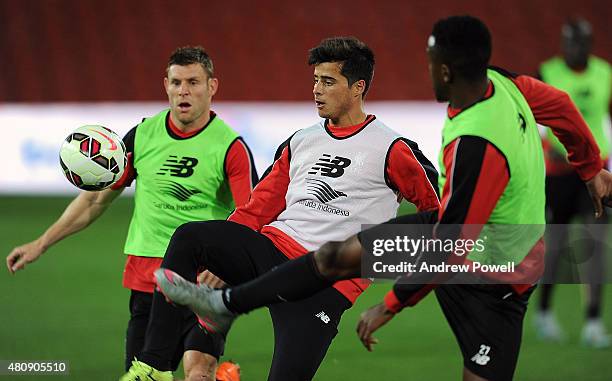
522 123
182 167
176 190
326 166
482 358
323 316
322 191
584 93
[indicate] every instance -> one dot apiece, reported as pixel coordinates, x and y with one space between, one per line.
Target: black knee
340 260
185 252
188 231
328 261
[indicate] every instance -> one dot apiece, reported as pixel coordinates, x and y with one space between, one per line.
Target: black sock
294 280
594 301
163 333
545 296
594 311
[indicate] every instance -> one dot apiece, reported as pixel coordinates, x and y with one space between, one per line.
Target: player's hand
210 279
600 189
370 321
22 255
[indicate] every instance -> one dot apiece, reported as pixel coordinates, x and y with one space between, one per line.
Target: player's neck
194 125
349 119
465 94
577 67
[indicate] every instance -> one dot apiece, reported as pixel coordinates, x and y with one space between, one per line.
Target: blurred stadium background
65 63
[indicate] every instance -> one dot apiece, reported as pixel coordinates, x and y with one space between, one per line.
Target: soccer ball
93 158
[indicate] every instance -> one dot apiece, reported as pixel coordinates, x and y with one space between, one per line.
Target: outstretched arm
79 214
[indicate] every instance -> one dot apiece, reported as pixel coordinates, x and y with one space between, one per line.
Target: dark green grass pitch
70 306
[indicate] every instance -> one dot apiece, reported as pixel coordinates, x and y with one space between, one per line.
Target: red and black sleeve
129 174
240 171
410 173
268 198
477 175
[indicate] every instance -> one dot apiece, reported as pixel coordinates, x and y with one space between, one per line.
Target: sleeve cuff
392 303
128 174
587 171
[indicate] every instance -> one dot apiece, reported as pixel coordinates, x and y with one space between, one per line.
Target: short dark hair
463 43
577 28
355 57
188 55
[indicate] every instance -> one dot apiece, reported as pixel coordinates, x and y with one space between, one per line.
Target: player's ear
213 85
358 88
166 82
447 75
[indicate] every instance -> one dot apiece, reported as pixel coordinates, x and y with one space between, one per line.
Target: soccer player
587 80
189 165
327 180
492 172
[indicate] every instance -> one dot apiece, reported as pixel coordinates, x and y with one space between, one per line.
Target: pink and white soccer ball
93 157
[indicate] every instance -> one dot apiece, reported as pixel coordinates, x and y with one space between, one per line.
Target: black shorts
487 321
566 197
303 330
194 337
